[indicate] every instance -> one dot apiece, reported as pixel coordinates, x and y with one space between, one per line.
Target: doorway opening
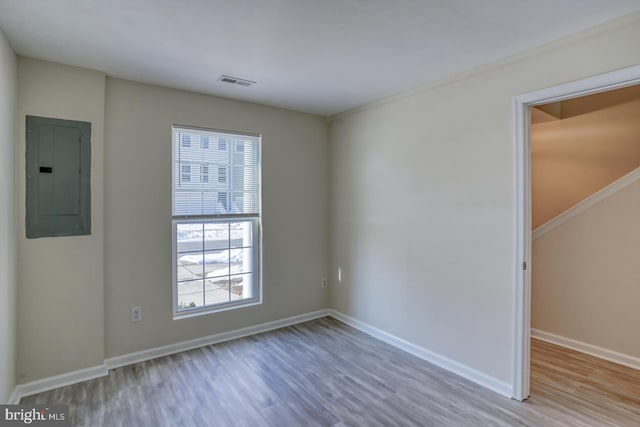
522 111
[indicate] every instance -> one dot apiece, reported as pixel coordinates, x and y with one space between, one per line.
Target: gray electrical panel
58 177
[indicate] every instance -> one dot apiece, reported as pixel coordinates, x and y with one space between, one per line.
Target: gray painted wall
138 255
60 292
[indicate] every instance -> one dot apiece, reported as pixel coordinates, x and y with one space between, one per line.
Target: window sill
212 310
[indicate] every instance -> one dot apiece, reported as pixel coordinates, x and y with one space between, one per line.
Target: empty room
331 213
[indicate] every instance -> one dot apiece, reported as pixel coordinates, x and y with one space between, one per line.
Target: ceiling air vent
235 81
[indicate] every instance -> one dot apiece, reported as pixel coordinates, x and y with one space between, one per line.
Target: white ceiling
317 56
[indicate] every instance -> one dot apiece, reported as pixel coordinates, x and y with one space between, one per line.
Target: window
204 142
223 201
186 173
216 225
240 147
222 144
205 173
186 140
222 174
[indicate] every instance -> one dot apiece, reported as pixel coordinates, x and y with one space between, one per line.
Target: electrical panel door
58 177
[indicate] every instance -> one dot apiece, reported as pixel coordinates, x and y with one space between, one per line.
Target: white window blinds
198 195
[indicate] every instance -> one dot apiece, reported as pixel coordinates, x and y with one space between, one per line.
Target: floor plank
325 373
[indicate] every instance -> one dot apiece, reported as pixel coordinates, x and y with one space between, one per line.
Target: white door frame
521 105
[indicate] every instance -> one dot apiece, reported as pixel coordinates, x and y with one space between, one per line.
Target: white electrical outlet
323 282
136 314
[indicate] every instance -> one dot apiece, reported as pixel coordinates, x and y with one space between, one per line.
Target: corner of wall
61 279
8 222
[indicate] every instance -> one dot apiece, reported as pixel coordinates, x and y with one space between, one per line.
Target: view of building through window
216 221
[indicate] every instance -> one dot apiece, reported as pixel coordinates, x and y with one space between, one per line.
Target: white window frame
256 221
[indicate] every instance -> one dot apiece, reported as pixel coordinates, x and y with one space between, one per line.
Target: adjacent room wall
8 277
423 201
585 278
138 212
574 157
60 292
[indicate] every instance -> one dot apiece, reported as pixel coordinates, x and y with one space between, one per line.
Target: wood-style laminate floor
324 373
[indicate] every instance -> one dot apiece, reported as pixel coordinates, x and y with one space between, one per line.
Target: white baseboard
153 353
582 347
464 371
56 381
50 383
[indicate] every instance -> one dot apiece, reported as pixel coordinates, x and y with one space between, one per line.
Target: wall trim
587 203
53 382
74 377
57 381
464 371
523 235
153 353
590 349
567 40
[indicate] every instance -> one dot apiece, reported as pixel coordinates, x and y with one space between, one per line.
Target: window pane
217 290
217 263
190 294
235 174
241 261
189 237
190 266
188 271
241 234
216 235
241 287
